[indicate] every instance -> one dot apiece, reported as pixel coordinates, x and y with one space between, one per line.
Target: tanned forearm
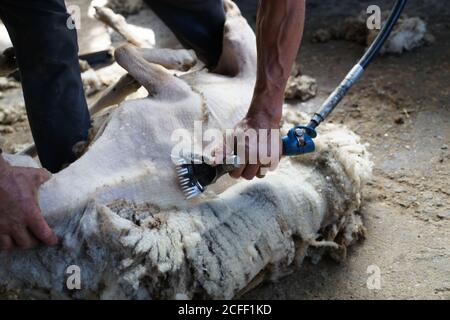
279 32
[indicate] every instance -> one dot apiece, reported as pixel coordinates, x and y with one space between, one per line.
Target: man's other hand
21 222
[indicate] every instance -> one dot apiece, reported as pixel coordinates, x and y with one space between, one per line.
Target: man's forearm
279 33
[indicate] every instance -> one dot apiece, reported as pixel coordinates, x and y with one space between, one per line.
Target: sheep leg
155 78
182 60
118 23
115 94
238 57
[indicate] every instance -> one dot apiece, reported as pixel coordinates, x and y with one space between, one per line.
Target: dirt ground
401 108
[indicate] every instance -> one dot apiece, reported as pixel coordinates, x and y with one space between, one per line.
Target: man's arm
279 34
21 222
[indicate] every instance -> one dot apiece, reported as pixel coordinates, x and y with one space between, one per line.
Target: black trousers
47 55
198 24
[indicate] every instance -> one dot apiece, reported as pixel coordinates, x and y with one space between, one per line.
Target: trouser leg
47 55
197 24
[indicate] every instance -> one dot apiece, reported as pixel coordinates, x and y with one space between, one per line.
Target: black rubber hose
375 47
356 72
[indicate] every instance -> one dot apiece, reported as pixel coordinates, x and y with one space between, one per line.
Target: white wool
301 87
91 82
214 247
409 34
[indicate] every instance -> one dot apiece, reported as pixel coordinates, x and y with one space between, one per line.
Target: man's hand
279 31
255 140
21 222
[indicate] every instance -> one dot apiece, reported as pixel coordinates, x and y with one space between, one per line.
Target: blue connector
299 140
